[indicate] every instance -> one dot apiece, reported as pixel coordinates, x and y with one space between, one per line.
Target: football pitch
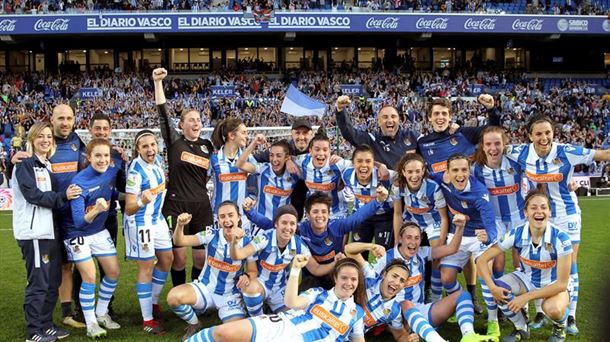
594 256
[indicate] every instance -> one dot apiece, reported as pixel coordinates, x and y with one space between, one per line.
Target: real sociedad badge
204 149
293 252
557 161
386 311
424 198
356 237
45 258
407 141
510 171
453 141
328 241
464 204
145 247
73 146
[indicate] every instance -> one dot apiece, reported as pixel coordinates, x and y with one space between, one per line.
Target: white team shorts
274 328
470 246
229 305
275 300
141 242
85 247
433 231
504 226
571 225
519 282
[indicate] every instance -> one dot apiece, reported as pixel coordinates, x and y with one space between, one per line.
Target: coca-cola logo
528 25
486 24
51 25
385 23
432 24
7 25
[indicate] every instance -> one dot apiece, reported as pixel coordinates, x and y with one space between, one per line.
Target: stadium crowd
577 7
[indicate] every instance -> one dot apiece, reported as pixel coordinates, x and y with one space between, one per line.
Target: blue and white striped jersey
539 263
273 263
229 180
144 176
273 190
554 172
417 268
504 186
422 206
220 273
327 318
363 194
379 311
326 179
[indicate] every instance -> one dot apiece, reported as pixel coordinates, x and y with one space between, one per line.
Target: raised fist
101 205
299 261
342 102
184 219
159 74
147 196
248 204
486 100
381 193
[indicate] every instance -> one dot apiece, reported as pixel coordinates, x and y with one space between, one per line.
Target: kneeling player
545 252
317 314
273 251
216 286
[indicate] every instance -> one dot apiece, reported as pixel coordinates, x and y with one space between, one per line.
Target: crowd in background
582 116
571 7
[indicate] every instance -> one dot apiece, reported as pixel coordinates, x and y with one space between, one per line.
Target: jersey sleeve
563 244
133 185
487 216
395 193
508 240
439 198
514 151
305 250
578 155
205 237
425 253
379 264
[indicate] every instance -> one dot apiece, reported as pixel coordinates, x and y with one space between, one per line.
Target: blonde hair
34 132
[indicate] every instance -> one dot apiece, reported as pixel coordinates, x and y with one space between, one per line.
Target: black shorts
378 227
201 211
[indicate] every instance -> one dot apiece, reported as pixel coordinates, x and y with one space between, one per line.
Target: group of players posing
257 246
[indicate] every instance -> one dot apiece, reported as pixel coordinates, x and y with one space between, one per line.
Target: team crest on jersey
549 247
204 149
557 161
292 252
353 312
45 258
356 236
328 241
453 141
289 179
145 247
510 171
407 141
424 198
464 204
386 311
73 146
329 172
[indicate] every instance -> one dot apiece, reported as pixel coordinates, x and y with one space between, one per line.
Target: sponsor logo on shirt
504 190
418 211
412 281
273 268
233 177
64 167
455 212
369 320
272 190
325 316
158 189
195 160
320 186
545 178
440 166
222 266
542 265
321 258
364 198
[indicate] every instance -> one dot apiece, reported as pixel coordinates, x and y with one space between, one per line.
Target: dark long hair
479 155
222 130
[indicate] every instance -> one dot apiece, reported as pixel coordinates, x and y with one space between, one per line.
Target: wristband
139 203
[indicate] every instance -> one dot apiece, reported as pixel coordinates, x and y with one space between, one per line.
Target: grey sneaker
95 331
558 334
572 329
57 332
107 322
539 321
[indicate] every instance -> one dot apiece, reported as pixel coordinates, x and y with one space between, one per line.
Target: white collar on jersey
290 246
332 297
549 158
526 236
504 165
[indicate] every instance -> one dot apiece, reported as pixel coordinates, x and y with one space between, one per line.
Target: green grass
593 261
